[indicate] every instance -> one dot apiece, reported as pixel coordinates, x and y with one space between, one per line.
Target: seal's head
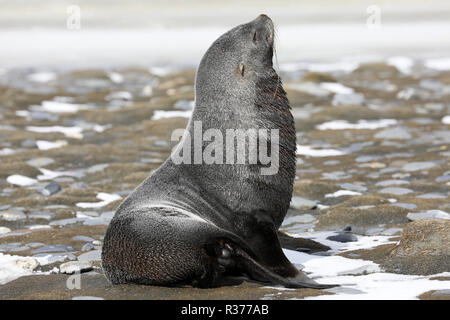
236 61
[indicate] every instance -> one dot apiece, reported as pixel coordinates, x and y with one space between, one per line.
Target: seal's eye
254 37
241 69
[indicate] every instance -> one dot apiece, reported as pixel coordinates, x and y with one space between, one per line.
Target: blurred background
100 33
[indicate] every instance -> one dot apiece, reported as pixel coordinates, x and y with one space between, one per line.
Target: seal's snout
265 24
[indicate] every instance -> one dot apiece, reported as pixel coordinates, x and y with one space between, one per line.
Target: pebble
354 187
391 231
83 238
40 162
363 270
35 244
53 248
28 143
348 99
94 255
344 236
385 183
95 222
416 166
75 267
64 222
393 134
4 230
373 231
41 215
20 180
429 214
88 247
28 263
396 191
432 196
299 202
409 206
443 292
12 215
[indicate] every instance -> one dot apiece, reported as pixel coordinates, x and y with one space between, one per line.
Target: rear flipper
237 258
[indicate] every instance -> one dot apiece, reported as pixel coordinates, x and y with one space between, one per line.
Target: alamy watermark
73 21
239 146
374 17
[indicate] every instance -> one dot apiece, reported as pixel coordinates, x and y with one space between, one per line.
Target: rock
94 255
348 99
51 188
396 191
28 143
40 162
418 166
391 231
353 187
393 133
75 267
4 230
343 236
429 214
53 248
88 247
28 263
410 206
64 222
363 270
41 215
298 218
299 202
386 183
424 248
83 238
12 215
432 196
444 292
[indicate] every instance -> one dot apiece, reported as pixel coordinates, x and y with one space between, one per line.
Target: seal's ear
241 68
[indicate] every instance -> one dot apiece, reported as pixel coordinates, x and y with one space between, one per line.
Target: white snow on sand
441 64
62 107
446 120
72 132
106 198
310 151
20 180
42 77
50 174
336 88
358 278
162 114
6 151
402 63
9 270
362 124
46 145
344 66
341 193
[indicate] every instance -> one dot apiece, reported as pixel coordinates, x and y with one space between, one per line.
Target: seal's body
196 223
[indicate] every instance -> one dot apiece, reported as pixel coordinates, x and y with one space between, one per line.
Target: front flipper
300 244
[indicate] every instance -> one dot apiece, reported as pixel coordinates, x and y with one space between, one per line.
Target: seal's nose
266 23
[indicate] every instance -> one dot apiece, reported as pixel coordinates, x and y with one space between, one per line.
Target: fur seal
196 224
